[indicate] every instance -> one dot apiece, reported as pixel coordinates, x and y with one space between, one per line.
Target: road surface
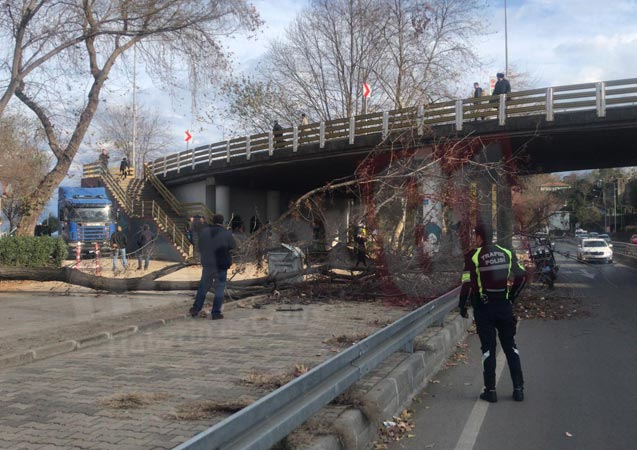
579 376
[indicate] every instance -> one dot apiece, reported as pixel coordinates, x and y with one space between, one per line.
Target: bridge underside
574 141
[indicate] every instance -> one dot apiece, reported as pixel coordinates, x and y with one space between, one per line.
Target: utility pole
506 42
134 110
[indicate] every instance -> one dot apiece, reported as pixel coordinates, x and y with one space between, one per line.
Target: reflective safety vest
492 265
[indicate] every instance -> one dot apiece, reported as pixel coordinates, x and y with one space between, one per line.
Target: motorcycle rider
485 283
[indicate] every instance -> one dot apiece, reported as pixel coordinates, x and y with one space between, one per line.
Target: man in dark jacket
485 278
123 167
502 86
118 245
215 243
144 247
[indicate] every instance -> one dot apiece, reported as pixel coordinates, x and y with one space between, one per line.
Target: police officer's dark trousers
492 316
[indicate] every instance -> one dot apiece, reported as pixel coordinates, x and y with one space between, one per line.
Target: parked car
594 249
633 239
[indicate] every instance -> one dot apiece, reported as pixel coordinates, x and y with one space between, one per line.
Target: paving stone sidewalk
66 402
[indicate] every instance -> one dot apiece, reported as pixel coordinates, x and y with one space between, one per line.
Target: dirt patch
393 430
132 400
209 408
270 381
345 340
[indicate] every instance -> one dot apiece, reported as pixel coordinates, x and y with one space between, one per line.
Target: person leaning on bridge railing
487 270
277 131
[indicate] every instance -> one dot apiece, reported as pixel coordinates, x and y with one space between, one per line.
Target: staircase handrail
118 192
181 208
177 235
157 213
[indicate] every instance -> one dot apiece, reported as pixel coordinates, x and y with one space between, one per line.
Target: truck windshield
101 214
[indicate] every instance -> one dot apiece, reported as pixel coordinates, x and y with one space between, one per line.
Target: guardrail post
193 159
210 155
295 138
248 147
409 346
352 130
385 131
322 135
502 110
600 98
459 115
178 162
550 116
270 143
420 120
228 151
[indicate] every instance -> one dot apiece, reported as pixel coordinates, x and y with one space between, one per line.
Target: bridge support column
273 205
222 201
504 212
484 199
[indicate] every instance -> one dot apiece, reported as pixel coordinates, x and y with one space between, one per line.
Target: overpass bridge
575 127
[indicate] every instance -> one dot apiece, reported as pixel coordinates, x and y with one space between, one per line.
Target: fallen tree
148 282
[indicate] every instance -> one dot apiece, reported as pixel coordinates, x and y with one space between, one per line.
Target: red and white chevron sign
366 90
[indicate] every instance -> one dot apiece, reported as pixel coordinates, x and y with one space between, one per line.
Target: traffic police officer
485 283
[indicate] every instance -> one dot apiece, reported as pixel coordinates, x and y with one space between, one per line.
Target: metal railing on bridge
546 102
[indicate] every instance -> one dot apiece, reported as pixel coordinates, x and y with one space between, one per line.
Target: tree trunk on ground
147 283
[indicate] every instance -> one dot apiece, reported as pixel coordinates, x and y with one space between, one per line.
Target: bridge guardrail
271 418
546 101
625 249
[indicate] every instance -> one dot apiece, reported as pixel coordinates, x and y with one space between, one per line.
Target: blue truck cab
86 217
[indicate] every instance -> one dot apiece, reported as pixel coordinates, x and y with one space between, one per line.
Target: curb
48 351
356 428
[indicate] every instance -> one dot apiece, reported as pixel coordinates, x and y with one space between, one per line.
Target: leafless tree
408 51
116 129
64 52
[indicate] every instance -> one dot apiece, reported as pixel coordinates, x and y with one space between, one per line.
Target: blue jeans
210 274
146 257
116 253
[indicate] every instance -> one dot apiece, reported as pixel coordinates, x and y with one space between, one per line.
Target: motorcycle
545 267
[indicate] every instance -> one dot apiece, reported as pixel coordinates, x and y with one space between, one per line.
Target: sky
554 42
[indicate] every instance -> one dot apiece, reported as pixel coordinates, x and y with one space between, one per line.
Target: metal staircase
138 200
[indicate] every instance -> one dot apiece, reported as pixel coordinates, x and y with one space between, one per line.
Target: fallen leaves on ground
393 430
543 305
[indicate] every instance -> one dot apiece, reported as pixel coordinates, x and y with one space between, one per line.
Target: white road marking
471 429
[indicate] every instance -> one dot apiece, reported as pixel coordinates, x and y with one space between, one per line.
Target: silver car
594 249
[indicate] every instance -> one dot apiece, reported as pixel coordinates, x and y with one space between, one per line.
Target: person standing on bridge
277 131
104 159
502 86
477 93
485 283
123 167
215 244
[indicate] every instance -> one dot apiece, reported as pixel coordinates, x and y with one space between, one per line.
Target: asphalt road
579 377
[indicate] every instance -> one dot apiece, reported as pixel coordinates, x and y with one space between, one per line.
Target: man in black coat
144 246
502 86
215 243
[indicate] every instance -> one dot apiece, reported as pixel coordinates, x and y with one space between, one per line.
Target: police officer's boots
489 395
518 394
